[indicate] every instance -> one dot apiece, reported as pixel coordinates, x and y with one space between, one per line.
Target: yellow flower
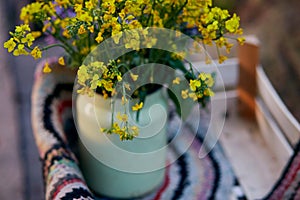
203 76
81 30
66 34
150 41
133 43
116 35
194 84
95 21
241 40
176 81
85 17
124 100
193 96
36 53
82 74
179 55
122 14
228 47
112 9
207 78
105 95
137 106
209 81
16 39
46 26
95 82
21 46
134 76
90 4
78 8
119 78
46 68
208 92
207 60
184 94
99 37
91 29
221 42
62 2
61 61
135 130
22 28
28 39
20 50
222 58
213 27
108 85
114 92
123 118
25 14
10 45
232 24
36 34
127 86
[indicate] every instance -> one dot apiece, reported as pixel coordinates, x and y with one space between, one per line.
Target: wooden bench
259 133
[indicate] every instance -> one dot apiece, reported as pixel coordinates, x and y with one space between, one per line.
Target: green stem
112 103
124 96
191 68
53 45
67 47
218 51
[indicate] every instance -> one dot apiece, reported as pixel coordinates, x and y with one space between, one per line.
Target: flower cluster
21 38
199 87
96 74
78 26
123 129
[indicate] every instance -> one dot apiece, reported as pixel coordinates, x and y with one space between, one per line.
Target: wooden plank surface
272 134
248 55
255 165
289 125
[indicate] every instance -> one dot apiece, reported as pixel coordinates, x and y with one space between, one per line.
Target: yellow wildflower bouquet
79 26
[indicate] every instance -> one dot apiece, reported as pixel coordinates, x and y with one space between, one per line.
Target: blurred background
274 22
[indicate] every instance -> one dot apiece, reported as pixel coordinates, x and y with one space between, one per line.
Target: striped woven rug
187 178
287 186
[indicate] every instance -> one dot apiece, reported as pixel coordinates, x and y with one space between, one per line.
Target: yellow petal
46 68
137 106
176 81
61 61
134 77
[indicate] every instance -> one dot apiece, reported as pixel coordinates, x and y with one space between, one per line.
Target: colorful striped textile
188 178
51 109
288 185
